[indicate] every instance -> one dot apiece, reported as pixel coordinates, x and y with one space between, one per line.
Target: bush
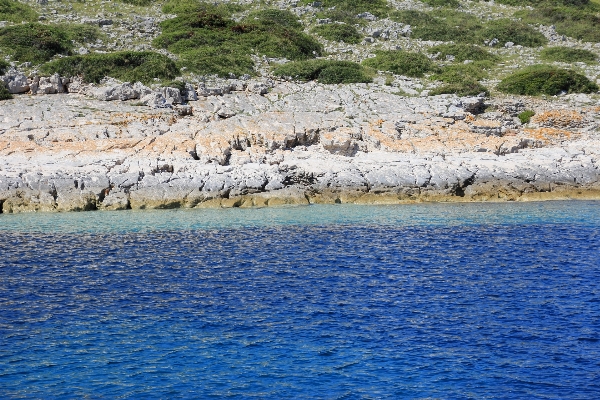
459 72
339 33
326 71
401 63
463 52
462 27
466 87
442 3
218 61
38 43
4 94
545 79
3 67
204 31
455 26
138 2
581 22
16 12
378 8
568 55
506 30
525 116
126 66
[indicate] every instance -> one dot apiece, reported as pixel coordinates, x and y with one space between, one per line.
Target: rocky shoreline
264 143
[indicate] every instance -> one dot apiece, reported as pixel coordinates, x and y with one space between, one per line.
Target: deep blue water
337 302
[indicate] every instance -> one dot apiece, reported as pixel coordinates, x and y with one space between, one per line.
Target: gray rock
16 83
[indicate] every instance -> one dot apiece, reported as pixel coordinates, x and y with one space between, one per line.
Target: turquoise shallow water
412 301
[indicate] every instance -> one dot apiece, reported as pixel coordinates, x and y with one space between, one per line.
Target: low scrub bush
38 43
4 94
460 27
208 40
378 8
325 71
506 30
14 11
463 52
454 26
3 67
401 63
442 3
339 33
466 87
568 55
525 116
138 2
459 72
545 79
126 66
580 22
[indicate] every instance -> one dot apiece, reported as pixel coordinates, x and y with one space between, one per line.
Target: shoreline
298 144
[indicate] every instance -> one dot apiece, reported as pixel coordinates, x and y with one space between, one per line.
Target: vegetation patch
506 30
579 21
347 10
126 66
3 67
401 63
339 33
14 11
442 3
525 116
325 71
210 42
568 55
466 87
460 27
463 52
463 79
38 43
4 94
545 79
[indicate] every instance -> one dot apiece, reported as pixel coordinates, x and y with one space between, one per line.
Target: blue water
336 302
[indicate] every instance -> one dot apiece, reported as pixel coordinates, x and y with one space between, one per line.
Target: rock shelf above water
296 144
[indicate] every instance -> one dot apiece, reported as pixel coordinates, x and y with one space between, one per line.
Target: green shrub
378 8
459 72
3 67
126 65
138 2
506 30
326 71
16 12
534 3
210 42
339 33
568 55
401 63
38 43
442 3
525 116
218 61
454 26
545 79
4 94
462 52
466 87
461 27
581 22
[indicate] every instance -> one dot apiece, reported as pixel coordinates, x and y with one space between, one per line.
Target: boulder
16 83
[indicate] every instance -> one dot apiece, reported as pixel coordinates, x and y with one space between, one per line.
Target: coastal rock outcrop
295 144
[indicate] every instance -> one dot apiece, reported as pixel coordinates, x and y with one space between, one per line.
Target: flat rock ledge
298 144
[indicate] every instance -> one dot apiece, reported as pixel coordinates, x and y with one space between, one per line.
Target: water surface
411 301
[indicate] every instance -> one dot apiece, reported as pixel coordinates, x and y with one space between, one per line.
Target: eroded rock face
296 144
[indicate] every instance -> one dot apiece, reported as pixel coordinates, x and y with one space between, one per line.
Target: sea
420 301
